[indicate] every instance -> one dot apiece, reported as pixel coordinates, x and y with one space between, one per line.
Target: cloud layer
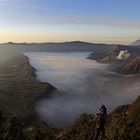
84 86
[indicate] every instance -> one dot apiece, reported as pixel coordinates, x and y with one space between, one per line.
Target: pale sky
99 21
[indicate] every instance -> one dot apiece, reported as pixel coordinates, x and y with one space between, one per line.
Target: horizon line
13 42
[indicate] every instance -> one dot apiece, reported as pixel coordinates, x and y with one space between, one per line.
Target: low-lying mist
83 84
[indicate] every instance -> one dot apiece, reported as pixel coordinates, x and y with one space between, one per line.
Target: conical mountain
136 43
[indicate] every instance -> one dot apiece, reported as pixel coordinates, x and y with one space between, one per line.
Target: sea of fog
84 85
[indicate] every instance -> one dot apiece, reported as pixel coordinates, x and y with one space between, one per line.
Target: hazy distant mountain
56 47
136 43
10 50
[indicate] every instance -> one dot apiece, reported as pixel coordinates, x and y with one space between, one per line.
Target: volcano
133 67
136 43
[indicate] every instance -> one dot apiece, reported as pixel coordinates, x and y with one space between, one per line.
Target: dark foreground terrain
122 124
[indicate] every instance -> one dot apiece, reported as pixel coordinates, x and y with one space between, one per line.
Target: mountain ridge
63 42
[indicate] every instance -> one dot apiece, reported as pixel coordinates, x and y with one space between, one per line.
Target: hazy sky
109 21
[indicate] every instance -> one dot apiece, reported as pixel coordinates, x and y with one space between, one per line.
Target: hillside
136 43
106 55
122 59
19 88
122 124
132 67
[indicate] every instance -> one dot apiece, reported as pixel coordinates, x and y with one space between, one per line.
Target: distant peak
136 43
10 42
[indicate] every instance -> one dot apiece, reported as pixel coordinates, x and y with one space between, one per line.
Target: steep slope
136 43
122 124
106 55
132 67
19 88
